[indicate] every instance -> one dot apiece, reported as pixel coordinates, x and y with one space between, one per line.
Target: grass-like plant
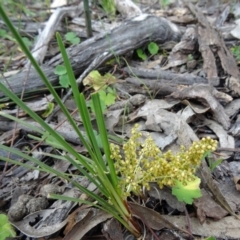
98 167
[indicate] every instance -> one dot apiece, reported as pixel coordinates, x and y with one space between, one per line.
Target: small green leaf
64 81
102 94
153 48
49 110
70 35
72 38
60 70
108 96
186 193
110 99
141 54
75 40
111 90
6 229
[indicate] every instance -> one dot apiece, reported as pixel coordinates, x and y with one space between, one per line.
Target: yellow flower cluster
140 164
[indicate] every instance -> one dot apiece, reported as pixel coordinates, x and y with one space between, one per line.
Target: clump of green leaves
145 163
107 98
6 229
101 84
61 71
72 38
152 48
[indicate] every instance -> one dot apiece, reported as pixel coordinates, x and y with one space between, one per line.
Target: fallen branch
119 41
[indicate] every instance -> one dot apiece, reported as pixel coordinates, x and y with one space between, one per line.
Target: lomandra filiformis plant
141 164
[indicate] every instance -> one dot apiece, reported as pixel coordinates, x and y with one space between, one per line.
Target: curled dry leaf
207 207
151 218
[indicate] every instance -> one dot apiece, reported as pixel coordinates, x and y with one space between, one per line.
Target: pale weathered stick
41 46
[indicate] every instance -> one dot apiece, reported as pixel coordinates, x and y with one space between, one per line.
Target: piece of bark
212 47
162 89
128 36
165 76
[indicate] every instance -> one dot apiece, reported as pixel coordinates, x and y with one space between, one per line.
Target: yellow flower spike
144 163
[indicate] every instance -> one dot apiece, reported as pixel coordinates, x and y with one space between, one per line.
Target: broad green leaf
186 193
6 229
75 40
110 99
70 35
153 48
111 90
60 70
64 81
72 38
141 54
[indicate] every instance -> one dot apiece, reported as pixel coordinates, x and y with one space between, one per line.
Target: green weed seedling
107 98
141 54
61 71
101 84
152 49
72 38
6 229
